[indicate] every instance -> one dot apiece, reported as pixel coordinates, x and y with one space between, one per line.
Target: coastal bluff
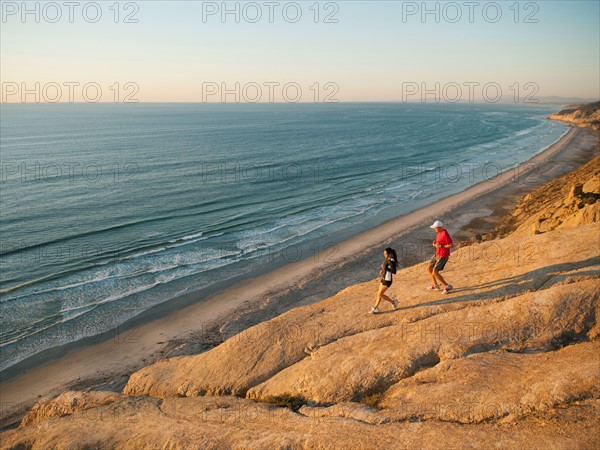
511 359
565 202
582 116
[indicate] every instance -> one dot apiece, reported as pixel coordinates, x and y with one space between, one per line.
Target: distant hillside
565 100
582 116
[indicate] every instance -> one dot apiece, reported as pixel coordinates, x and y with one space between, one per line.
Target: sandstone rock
67 403
351 410
576 191
370 362
493 385
592 186
576 211
227 422
548 207
585 215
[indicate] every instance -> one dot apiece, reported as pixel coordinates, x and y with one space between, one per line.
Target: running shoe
447 290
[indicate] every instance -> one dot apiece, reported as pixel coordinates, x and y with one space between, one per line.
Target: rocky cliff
565 202
581 116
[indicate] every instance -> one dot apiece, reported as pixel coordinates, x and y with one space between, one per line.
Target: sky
188 51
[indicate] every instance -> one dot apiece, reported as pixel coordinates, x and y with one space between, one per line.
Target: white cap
437 224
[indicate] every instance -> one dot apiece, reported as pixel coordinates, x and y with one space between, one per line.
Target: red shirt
443 238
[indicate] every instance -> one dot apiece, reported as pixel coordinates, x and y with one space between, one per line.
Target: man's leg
439 266
431 274
439 276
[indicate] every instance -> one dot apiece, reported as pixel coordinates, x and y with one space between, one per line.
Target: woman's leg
380 294
388 299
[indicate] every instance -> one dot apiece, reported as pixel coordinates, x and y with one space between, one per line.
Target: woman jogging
388 268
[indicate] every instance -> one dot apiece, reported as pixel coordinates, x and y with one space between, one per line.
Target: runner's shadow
543 277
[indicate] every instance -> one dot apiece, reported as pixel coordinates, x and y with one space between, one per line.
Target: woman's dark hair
391 251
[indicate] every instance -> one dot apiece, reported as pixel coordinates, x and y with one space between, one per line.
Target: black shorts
386 283
438 263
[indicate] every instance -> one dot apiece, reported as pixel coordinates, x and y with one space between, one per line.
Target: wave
72 237
187 238
524 132
300 227
179 242
121 294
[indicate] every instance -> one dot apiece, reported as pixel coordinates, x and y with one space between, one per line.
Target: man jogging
442 244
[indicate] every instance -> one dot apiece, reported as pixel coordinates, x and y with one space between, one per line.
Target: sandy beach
105 362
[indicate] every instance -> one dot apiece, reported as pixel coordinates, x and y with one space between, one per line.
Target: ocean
110 209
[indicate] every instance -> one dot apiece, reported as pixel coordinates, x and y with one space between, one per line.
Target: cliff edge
581 116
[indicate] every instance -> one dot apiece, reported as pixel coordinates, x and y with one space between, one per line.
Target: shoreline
203 324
